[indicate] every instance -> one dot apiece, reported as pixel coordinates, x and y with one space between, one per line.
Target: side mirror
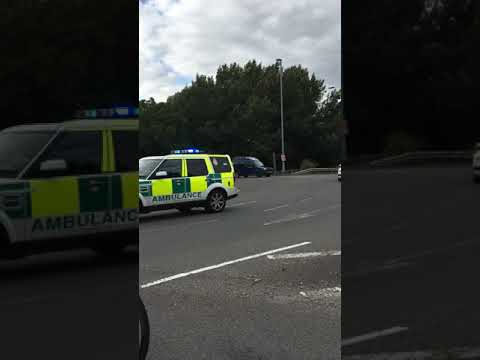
161 174
53 165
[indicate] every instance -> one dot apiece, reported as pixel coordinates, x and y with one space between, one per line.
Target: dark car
249 166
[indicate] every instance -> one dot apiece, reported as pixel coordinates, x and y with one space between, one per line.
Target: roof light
187 151
117 112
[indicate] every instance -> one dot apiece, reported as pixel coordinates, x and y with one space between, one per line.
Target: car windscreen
17 150
257 162
146 167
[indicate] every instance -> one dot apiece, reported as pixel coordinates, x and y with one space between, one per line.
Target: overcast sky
180 38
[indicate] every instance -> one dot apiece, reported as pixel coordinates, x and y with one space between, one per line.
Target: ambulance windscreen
146 167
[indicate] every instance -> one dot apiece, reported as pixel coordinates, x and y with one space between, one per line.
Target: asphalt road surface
411 245
259 281
69 305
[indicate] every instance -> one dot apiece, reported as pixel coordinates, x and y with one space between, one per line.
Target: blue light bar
187 151
118 112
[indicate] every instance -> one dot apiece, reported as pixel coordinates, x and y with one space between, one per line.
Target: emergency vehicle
63 184
186 179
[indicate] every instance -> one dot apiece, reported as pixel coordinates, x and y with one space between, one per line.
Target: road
69 305
259 281
410 246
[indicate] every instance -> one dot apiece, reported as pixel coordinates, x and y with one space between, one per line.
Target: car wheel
476 179
216 201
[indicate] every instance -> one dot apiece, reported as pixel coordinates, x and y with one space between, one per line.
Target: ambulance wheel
216 201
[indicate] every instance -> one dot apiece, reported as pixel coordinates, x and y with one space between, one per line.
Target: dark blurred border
58 57
409 206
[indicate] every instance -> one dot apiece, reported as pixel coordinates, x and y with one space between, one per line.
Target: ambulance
62 185
186 179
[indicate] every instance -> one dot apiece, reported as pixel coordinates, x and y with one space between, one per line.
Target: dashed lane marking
226 263
295 217
304 255
276 208
373 335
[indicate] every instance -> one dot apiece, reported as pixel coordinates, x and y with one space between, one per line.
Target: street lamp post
283 158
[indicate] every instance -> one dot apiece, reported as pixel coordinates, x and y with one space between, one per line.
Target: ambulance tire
216 201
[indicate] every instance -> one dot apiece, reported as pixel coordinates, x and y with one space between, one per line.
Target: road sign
283 157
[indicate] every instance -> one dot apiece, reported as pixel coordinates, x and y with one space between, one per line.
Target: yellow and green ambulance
64 184
186 179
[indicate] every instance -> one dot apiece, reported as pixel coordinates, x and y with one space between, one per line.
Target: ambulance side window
126 150
173 167
221 164
80 150
197 167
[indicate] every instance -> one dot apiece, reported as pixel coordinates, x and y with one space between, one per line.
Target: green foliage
238 112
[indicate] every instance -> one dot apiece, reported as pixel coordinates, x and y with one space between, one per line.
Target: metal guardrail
424 156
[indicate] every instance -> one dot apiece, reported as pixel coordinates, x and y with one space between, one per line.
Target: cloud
180 38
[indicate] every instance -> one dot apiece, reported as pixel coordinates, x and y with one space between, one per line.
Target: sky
182 38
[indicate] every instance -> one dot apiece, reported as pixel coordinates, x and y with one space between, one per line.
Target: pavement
69 305
410 246
260 280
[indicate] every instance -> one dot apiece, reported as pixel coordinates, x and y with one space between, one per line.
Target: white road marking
288 219
322 293
455 353
276 208
327 294
306 199
242 203
305 255
226 263
295 217
373 335
157 228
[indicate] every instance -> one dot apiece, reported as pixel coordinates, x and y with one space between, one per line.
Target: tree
238 112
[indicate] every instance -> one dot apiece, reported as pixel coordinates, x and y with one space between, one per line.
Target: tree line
237 111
